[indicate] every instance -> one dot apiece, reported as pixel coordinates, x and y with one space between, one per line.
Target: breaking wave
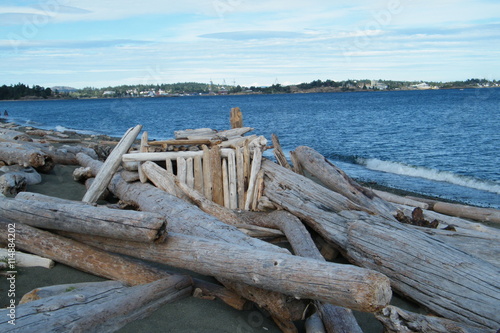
428 173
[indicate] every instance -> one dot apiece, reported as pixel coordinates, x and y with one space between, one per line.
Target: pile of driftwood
206 201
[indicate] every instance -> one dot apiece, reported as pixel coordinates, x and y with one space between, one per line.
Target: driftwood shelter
209 202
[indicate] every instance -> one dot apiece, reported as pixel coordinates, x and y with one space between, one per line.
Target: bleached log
65 154
474 213
162 179
346 285
339 182
399 199
161 156
12 135
111 165
26 155
420 266
12 183
236 142
28 260
396 320
121 224
95 307
82 174
31 175
143 149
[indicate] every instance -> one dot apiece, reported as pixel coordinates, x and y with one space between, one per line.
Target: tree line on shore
23 91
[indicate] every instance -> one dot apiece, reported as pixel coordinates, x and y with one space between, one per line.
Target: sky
100 43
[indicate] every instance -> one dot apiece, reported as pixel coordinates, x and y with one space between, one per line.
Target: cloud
256 34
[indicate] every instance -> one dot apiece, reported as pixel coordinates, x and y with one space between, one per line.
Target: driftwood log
101 221
111 165
26 155
28 260
419 265
93 307
12 183
396 320
347 285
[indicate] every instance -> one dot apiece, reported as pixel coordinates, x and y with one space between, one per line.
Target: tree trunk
94 307
86 219
419 266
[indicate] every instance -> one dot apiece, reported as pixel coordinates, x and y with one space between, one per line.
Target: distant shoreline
309 91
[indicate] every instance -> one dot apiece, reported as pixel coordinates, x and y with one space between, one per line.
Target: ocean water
444 143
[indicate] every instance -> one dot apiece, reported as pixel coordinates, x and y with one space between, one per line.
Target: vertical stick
278 153
181 169
236 118
169 167
216 171
111 164
256 162
143 149
259 188
240 175
246 163
198 174
189 172
297 168
225 183
207 173
233 197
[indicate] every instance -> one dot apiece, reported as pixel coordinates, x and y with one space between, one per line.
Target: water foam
428 173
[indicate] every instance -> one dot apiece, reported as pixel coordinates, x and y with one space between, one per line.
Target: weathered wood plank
111 165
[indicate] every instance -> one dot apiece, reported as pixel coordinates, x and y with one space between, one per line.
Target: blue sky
106 43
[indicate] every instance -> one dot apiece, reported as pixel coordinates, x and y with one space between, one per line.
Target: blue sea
444 143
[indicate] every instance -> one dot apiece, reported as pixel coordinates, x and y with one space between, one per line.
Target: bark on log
100 306
25 155
396 320
350 286
420 266
111 165
120 224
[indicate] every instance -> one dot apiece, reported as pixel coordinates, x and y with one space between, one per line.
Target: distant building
108 93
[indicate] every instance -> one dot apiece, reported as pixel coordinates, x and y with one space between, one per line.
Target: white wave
60 128
428 173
